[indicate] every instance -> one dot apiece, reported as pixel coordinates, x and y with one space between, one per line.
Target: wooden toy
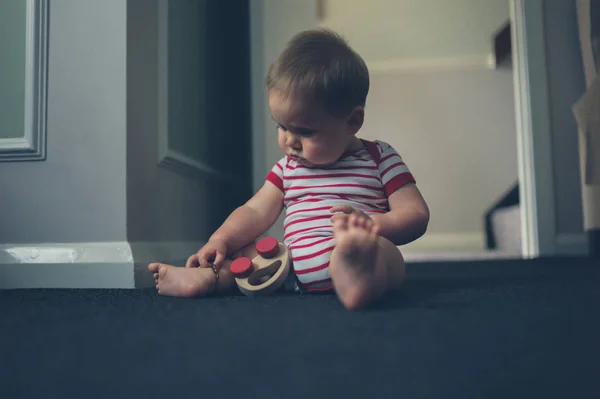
266 272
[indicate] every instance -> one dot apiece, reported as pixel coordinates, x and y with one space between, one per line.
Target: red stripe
310 244
285 237
313 255
337 195
278 165
308 210
392 167
307 200
398 181
307 238
276 180
338 168
363 203
313 269
335 185
331 175
310 219
389 156
325 280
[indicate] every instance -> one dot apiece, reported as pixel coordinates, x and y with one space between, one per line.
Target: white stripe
296 253
315 276
398 170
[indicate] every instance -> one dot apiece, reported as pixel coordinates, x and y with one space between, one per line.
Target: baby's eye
306 133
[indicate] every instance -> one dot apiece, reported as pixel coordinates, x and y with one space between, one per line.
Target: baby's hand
213 252
361 219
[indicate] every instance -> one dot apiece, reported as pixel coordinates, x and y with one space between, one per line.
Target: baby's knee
393 262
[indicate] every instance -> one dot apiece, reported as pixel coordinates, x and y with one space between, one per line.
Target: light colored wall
456 131
78 193
417 29
454 123
12 65
566 84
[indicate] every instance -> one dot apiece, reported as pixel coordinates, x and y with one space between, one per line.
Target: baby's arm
408 217
249 221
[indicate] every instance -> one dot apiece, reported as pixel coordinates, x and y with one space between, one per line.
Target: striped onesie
363 180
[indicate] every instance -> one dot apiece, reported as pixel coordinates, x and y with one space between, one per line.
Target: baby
348 202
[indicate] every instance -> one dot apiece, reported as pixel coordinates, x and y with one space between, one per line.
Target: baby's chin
313 165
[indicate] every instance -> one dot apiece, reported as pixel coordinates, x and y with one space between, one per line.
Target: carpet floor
493 329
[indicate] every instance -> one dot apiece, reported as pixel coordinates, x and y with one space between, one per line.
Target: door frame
533 127
539 233
534 146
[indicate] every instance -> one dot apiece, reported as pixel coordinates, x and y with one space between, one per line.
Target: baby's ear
356 119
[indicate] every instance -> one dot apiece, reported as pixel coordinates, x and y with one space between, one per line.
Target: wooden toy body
268 275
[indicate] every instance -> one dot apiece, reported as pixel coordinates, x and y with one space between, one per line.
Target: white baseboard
86 265
446 242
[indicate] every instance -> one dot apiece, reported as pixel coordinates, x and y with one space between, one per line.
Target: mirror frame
32 145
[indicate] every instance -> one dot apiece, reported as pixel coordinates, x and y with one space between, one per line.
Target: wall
456 131
566 84
435 99
417 29
78 193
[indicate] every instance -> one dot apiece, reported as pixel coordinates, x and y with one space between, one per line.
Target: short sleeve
392 169
275 176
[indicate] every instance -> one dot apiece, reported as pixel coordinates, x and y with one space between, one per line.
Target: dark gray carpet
474 330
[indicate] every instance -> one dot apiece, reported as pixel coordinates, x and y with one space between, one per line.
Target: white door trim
538 208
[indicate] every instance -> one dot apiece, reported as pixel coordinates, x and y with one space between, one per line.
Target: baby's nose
292 142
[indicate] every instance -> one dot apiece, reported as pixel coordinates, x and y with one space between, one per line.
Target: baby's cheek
317 152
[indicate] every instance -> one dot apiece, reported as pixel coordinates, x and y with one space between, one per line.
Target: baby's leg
363 265
197 281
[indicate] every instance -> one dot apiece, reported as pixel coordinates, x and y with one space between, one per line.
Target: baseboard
572 244
446 242
104 265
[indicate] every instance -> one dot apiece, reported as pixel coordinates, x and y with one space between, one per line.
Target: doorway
519 119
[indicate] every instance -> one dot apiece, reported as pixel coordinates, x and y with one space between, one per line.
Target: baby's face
309 133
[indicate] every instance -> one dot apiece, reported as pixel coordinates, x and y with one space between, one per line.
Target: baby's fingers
205 258
342 208
338 216
192 261
219 258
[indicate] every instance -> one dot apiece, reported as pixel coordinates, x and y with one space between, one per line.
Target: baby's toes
354 220
374 229
362 221
340 224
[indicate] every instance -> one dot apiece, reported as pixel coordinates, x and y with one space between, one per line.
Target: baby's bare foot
181 281
353 262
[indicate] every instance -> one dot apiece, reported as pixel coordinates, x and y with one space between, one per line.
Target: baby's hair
320 63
